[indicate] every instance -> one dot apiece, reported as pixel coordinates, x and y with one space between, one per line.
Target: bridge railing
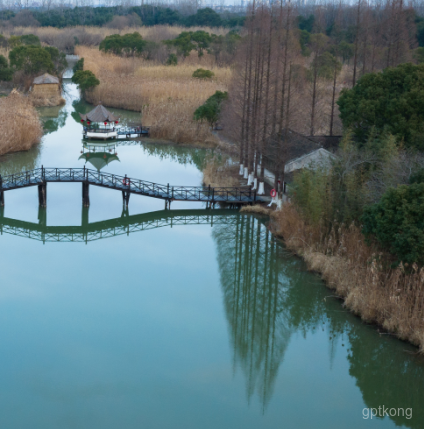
190 193
21 179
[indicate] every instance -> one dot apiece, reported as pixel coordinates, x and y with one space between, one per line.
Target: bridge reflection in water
123 225
269 298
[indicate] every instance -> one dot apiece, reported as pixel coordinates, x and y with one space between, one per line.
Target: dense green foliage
211 109
391 101
376 185
79 65
203 74
201 41
6 73
188 41
58 58
126 45
27 39
227 44
85 79
149 14
397 222
172 60
32 60
417 177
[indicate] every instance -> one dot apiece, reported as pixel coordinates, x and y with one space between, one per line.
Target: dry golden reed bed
392 298
19 124
167 96
156 33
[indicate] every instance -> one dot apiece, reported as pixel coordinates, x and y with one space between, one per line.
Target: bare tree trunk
267 85
355 57
248 154
333 100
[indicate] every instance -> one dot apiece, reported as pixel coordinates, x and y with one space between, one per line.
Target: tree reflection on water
269 296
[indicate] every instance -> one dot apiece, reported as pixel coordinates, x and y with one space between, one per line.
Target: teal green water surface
173 319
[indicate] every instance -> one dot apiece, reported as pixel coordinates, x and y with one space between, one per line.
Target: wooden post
42 194
85 194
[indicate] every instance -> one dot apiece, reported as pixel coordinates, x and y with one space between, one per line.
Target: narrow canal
173 319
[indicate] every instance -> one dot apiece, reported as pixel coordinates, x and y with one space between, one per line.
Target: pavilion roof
99 114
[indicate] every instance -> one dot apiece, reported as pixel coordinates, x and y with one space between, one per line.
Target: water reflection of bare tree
253 295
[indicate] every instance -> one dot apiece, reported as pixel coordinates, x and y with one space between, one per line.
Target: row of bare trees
287 81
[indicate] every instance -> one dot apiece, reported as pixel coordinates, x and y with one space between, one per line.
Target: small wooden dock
41 176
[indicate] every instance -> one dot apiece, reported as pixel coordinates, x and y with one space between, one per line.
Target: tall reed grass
360 274
167 96
65 39
20 127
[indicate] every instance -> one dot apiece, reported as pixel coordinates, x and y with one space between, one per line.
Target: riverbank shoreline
354 271
364 287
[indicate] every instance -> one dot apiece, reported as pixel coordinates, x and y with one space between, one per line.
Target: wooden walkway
124 225
41 176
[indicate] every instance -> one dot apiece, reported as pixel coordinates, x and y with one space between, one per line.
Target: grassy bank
19 124
360 274
167 96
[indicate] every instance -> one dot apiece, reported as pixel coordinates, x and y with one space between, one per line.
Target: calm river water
180 319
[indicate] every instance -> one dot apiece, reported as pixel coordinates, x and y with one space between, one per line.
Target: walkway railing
42 176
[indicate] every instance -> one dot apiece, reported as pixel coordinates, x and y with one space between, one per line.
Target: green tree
6 73
30 39
206 17
85 79
306 24
397 222
418 55
79 65
211 109
304 38
391 102
203 74
26 39
131 44
31 60
188 41
58 58
172 60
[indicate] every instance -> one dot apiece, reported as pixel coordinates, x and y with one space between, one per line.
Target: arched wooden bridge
41 176
124 225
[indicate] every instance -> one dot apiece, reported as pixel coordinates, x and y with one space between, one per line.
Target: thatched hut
46 91
46 86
